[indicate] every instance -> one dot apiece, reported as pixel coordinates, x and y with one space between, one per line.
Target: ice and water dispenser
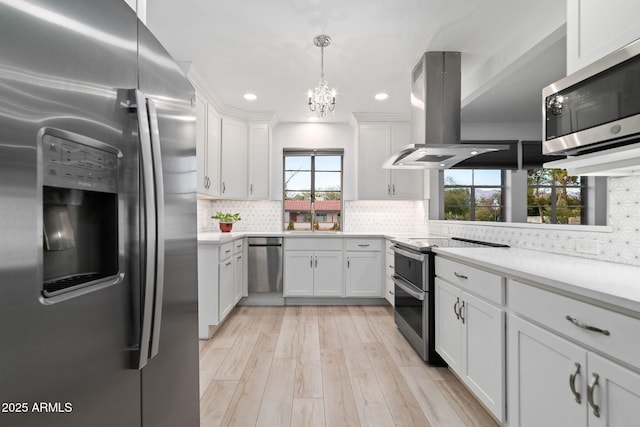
79 212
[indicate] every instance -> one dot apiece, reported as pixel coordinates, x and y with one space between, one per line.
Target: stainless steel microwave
595 108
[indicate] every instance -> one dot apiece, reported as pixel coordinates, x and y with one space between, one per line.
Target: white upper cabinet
207 148
258 161
597 28
233 164
376 143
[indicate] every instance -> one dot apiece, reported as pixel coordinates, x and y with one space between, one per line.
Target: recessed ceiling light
313 119
250 96
381 96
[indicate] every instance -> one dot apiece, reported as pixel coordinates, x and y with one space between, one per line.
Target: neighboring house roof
305 205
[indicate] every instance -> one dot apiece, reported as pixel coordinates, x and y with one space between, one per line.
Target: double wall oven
414 296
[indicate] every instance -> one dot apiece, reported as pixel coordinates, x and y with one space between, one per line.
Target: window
555 197
474 194
312 190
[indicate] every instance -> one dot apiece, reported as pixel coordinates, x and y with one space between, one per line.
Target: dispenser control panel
69 164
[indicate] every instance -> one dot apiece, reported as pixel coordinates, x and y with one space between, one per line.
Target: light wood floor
325 366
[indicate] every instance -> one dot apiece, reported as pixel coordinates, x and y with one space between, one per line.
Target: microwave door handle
159 194
408 288
149 248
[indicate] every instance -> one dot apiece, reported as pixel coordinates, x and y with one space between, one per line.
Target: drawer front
238 245
226 250
551 310
363 244
314 244
471 279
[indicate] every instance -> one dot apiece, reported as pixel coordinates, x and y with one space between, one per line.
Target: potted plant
226 220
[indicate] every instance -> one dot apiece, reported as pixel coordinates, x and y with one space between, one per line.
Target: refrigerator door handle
146 162
159 193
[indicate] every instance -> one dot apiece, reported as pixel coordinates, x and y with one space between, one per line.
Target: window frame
584 198
472 195
313 153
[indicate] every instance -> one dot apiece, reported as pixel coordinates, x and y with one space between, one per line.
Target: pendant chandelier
322 100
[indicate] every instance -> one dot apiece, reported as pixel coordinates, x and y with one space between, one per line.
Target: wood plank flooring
325 366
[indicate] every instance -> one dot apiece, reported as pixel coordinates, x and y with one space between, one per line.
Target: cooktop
424 244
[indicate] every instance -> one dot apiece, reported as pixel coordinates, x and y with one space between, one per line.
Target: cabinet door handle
348 262
224 188
388 189
229 263
461 276
391 292
583 325
311 262
393 189
391 266
251 189
316 262
572 383
461 310
590 389
455 308
227 251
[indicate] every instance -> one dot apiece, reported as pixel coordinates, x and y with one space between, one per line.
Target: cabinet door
238 277
373 150
258 161
201 145
540 366
448 324
298 273
595 29
233 161
405 184
616 393
213 152
225 292
327 275
363 276
483 350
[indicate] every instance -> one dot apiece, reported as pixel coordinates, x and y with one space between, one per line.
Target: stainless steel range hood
435 117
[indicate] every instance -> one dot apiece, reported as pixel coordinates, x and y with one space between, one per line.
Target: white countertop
216 237
604 282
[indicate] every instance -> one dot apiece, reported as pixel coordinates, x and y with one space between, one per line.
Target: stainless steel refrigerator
98 292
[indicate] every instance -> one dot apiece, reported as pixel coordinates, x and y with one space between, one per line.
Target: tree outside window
555 197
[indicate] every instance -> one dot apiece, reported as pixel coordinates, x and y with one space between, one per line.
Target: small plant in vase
226 220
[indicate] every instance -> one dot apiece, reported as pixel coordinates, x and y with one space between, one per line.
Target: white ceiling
266 47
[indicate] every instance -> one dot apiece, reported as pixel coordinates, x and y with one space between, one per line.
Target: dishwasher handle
262 245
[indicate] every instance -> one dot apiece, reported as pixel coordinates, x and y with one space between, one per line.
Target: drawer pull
364 245
583 325
572 383
227 251
590 389
461 276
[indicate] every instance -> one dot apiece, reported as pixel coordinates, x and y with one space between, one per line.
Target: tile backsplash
359 216
621 244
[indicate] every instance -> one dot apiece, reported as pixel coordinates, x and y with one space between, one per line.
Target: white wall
318 136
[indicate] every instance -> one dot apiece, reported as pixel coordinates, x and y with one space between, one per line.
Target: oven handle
418 257
408 287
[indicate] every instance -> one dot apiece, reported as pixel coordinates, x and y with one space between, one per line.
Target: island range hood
435 117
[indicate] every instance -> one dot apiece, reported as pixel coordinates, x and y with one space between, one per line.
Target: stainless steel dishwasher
265 271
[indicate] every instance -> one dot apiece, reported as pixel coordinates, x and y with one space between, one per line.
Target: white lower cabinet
221 280
562 380
313 273
389 269
553 381
470 337
225 291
